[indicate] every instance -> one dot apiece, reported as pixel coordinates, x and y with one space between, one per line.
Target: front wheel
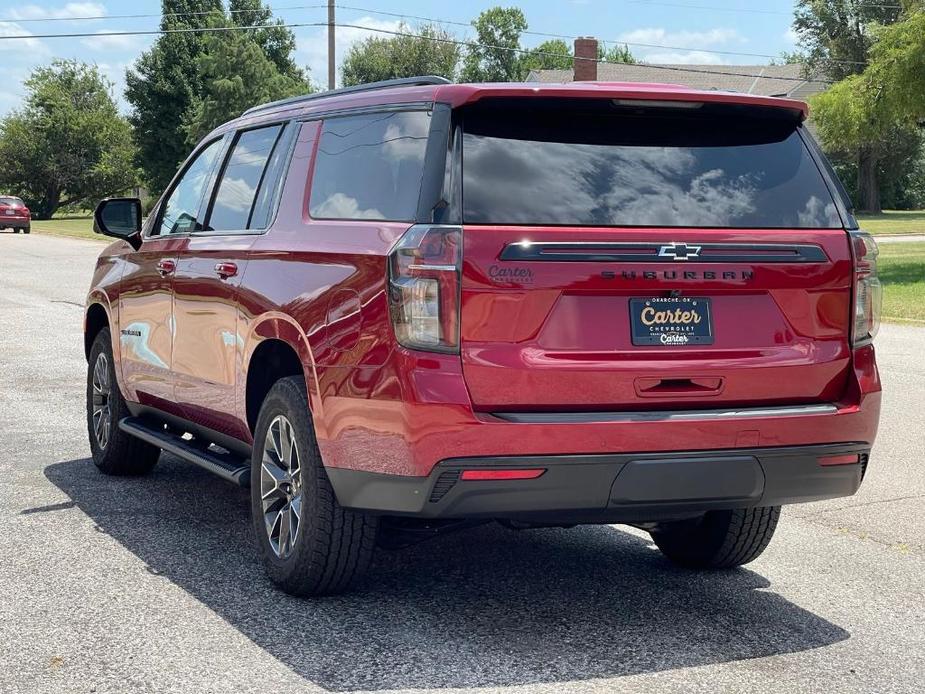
718 539
310 544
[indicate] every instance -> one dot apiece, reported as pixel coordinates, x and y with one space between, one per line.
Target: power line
600 61
404 16
82 18
747 9
208 30
567 36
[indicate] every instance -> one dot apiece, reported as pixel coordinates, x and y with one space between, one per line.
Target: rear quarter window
370 166
596 164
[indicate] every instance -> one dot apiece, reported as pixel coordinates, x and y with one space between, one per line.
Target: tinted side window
237 187
182 209
370 166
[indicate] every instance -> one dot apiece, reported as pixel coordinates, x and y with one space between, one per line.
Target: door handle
678 387
166 266
226 270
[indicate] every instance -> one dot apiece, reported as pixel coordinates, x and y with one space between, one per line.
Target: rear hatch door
634 257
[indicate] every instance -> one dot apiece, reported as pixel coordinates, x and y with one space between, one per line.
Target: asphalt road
152 585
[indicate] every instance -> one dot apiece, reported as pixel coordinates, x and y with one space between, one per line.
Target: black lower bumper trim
610 488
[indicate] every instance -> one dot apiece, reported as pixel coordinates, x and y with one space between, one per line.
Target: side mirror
119 218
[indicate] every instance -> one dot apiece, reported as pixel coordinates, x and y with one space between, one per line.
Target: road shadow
484 607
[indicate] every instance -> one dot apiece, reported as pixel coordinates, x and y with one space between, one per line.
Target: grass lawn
894 222
902 271
78 226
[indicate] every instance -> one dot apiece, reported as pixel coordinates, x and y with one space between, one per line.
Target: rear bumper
621 487
14 223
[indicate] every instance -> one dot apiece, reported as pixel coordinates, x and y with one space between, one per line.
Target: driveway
152 585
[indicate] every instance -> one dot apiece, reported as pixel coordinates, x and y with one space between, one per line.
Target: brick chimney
585 62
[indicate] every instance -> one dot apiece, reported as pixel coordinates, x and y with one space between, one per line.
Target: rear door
207 344
636 256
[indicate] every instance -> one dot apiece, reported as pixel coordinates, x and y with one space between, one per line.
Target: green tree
189 82
554 54
617 53
68 145
557 55
275 40
885 104
235 72
835 36
427 51
161 86
835 40
495 54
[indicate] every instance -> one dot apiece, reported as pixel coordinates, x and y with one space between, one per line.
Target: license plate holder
675 321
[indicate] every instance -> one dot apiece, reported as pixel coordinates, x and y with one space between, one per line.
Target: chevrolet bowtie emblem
679 251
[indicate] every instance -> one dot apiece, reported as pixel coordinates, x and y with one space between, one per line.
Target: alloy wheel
281 487
101 411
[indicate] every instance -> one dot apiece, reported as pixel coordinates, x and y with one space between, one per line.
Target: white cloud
110 43
13 29
684 58
312 47
68 11
680 46
682 39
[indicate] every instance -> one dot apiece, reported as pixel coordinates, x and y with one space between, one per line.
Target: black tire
119 453
333 546
718 539
26 230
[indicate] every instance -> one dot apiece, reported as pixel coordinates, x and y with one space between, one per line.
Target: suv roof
437 89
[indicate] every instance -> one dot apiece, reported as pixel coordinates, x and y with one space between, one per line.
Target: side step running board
226 465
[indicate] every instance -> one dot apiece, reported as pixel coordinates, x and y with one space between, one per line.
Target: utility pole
330 44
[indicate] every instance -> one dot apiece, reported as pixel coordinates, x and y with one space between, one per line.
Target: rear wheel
309 543
114 451
718 539
26 230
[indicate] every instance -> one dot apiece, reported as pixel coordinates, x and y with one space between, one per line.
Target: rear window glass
596 163
5 200
370 166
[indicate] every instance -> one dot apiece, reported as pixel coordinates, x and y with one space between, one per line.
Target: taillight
424 271
868 293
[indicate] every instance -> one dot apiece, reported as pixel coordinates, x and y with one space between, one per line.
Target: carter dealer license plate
671 321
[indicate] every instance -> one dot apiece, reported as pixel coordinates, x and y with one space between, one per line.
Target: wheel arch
277 349
96 319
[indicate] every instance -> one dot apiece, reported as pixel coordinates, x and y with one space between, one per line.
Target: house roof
763 80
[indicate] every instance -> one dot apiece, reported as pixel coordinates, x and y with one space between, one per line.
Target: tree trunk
49 204
868 182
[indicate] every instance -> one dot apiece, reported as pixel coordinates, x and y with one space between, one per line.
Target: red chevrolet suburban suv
402 308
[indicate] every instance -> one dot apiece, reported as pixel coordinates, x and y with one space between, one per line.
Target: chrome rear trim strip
663 415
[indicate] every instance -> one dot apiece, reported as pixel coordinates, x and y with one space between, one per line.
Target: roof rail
357 88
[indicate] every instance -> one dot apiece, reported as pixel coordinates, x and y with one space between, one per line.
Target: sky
657 31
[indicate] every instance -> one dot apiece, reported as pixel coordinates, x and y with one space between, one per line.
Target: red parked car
398 308
14 214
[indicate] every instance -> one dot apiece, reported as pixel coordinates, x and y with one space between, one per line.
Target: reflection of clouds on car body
818 213
400 139
136 337
648 175
343 206
235 194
